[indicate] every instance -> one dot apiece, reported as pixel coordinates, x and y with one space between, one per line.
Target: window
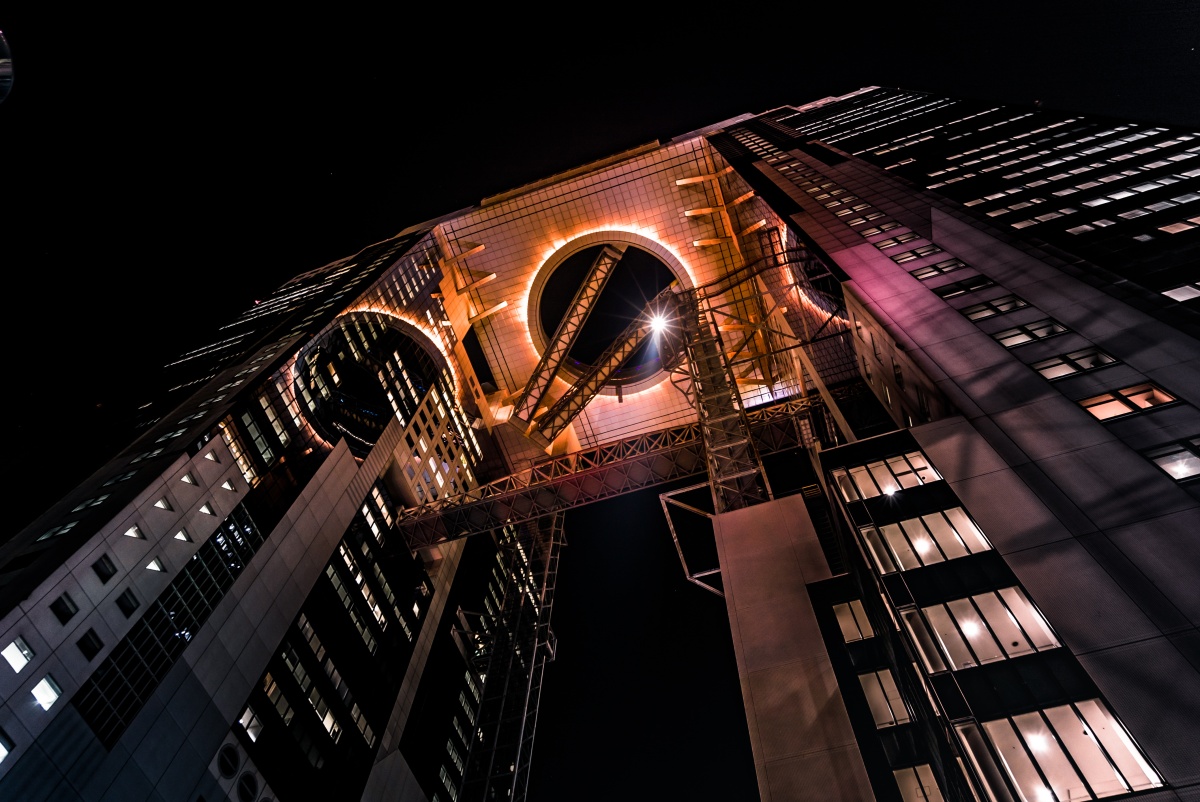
46 692
134 531
884 699
852 618
64 608
1074 751
1180 460
964 286
127 602
884 477
1185 292
1006 303
924 540
90 644
104 568
1030 332
18 654
1074 362
892 242
917 784
155 565
985 628
916 253
251 723
929 271
6 745
61 529
1126 401
897 373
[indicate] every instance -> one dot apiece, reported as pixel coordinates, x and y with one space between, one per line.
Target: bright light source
658 323
46 692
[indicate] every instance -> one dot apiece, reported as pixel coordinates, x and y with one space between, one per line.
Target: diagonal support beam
560 415
567 332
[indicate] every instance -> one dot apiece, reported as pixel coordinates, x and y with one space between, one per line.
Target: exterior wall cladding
236 607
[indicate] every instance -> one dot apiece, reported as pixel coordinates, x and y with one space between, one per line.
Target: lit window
47 692
941 268
18 654
91 502
134 531
61 529
985 628
917 784
998 306
227 485
883 697
1126 401
1074 362
924 540
1011 338
852 618
1074 751
163 504
206 509
251 722
916 253
1185 292
885 477
183 535
187 478
1180 460
964 286
155 565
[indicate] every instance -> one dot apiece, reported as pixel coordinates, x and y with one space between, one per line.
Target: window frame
991 308
1122 397
1070 360
1188 445
1030 331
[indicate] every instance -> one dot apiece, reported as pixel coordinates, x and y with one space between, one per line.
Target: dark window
90 644
1074 362
64 608
128 602
104 568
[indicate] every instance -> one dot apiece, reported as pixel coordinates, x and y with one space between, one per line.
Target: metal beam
567 332
572 402
594 474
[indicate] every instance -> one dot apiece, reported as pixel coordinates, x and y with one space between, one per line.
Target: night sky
161 170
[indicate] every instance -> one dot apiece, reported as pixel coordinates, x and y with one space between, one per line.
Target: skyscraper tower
932 365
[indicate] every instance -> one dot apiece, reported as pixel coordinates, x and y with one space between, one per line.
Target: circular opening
228 761
247 787
360 374
638 277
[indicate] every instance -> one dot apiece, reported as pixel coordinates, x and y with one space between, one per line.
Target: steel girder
572 402
734 471
594 474
567 332
520 644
